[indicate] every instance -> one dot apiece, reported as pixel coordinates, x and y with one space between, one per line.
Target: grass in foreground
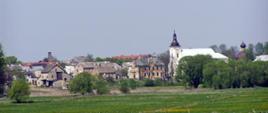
218 101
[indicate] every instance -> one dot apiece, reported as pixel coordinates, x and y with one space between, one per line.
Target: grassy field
217 101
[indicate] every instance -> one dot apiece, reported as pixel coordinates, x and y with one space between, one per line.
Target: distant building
150 67
53 76
177 53
261 58
104 69
129 57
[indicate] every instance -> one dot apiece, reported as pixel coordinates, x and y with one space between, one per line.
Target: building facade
177 53
147 68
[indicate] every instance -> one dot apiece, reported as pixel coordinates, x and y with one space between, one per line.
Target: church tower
174 53
242 52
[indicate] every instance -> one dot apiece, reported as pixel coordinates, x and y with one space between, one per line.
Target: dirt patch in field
38 91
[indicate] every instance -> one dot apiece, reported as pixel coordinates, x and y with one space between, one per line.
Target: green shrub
82 83
159 82
133 84
19 91
124 86
149 82
102 87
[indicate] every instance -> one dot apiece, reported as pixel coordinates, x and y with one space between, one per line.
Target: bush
159 82
133 84
124 86
149 82
19 91
102 87
82 83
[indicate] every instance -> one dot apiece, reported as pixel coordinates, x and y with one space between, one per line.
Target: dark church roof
243 45
174 42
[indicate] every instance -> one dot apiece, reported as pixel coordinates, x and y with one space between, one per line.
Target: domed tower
242 53
242 46
174 53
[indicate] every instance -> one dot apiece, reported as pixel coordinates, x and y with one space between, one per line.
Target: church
176 53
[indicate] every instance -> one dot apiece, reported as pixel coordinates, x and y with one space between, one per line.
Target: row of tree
202 70
251 52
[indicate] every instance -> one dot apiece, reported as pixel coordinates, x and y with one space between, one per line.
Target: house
104 69
53 76
177 53
70 69
150 68
261 58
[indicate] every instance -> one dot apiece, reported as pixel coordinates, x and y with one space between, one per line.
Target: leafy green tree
12 60
243 70
2 72
215 48
249 52
231 52
19 91
124 86
89 58
102 87
164 57
149 82
99 59
82 83
223 48
259 48
190 70
133 84
266 48
159 82
217 74
124 73
260 71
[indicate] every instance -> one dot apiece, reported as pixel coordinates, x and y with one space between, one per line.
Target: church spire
174 42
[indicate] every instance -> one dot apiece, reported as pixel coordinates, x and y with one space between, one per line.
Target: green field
217 101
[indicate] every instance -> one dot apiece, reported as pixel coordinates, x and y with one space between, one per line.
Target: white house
177 53
261 58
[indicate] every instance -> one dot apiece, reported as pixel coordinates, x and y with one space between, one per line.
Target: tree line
203 71
251 51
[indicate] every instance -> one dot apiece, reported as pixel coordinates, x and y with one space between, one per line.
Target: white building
177 53
261 58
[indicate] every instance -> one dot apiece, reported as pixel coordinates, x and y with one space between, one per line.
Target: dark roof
243 45
174 42
148 61
49 67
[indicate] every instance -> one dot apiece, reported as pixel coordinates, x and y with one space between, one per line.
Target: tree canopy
2 73
190 70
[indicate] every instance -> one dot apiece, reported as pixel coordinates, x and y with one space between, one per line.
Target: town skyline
30 28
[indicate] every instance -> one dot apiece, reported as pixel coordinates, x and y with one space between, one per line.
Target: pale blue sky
31 28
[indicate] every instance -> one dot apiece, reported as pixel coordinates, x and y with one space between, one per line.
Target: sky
68 28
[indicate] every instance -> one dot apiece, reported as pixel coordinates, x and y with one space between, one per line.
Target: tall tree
215 48
2 72
223 49
219 76
89 58
249 52
231 52
259 48
164 57
11 60
190 70
266 48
